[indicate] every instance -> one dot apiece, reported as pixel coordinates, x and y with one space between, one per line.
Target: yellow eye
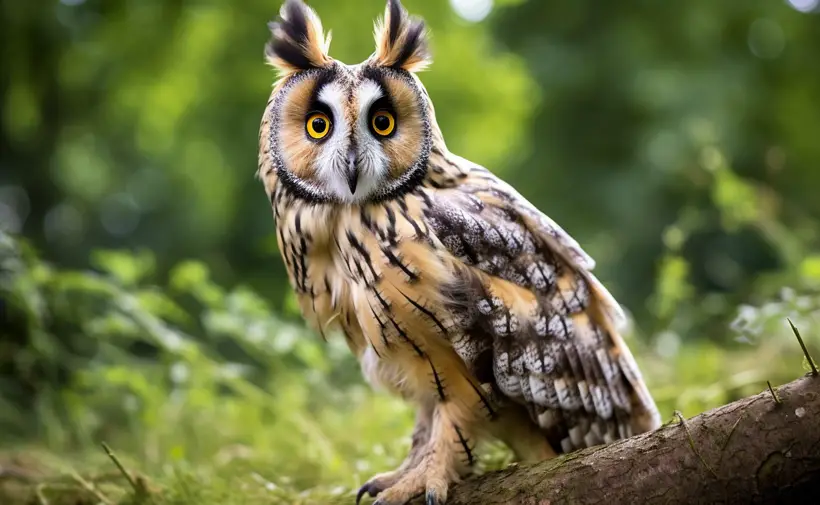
383 123
318 125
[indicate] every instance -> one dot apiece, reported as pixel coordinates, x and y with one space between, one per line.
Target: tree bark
761 449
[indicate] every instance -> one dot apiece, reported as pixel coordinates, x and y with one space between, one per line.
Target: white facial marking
373 161
368 93
331 164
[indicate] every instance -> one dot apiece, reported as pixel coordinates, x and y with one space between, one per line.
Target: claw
362 491
368 488
430 498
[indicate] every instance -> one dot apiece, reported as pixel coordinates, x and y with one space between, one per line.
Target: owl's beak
352 171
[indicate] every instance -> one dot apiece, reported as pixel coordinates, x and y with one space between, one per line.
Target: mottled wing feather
550 324
558 241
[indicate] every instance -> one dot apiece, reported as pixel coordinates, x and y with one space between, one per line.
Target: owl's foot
439 462
421 436
441 452
379 483
412 479
431 478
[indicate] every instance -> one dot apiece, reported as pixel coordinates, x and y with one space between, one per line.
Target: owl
452 290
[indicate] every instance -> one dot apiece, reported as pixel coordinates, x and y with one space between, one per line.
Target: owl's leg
514 427
421 434
442 460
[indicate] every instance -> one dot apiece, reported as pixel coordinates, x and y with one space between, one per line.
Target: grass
217 460
207 449
369 437
205 396
47 480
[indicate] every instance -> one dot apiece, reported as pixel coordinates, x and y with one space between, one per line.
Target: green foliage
184 375
157 145
691 117
675 141
206 391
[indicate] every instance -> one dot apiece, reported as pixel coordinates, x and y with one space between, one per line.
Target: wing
529 294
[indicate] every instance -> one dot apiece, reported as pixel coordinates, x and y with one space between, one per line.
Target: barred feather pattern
462 290
550 324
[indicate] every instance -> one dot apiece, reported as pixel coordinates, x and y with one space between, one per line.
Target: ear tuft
401 40
297 42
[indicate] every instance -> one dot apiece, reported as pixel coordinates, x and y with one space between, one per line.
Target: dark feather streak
426 312
484 401
437 380
395 20
396 261
406 338
286 51
413 43
290 47
296 26
467 450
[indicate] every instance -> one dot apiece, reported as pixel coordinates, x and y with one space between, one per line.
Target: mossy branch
753 450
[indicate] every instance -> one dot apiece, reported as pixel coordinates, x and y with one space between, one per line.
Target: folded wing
529 296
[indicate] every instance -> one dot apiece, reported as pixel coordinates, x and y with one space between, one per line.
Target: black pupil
319 125
382 122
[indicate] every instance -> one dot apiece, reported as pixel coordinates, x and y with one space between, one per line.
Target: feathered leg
441 461
456 409
514 427
421 434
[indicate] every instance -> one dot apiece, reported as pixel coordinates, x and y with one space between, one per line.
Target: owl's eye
318 125
383 123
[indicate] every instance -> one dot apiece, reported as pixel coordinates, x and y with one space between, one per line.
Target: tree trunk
761 449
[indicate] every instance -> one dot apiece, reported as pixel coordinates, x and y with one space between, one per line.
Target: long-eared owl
452 290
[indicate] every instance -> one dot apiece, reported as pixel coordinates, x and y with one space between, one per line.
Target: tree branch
759 449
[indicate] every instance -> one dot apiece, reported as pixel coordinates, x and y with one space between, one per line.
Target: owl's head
347 133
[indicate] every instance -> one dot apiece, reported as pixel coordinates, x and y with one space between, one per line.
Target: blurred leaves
673 288
630 125
154 141
196 380
130 269
173 384
675 141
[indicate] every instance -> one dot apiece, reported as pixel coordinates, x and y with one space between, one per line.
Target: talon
362 491
368 488
430 498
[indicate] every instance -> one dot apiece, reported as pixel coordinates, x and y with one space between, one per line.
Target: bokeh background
142 298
